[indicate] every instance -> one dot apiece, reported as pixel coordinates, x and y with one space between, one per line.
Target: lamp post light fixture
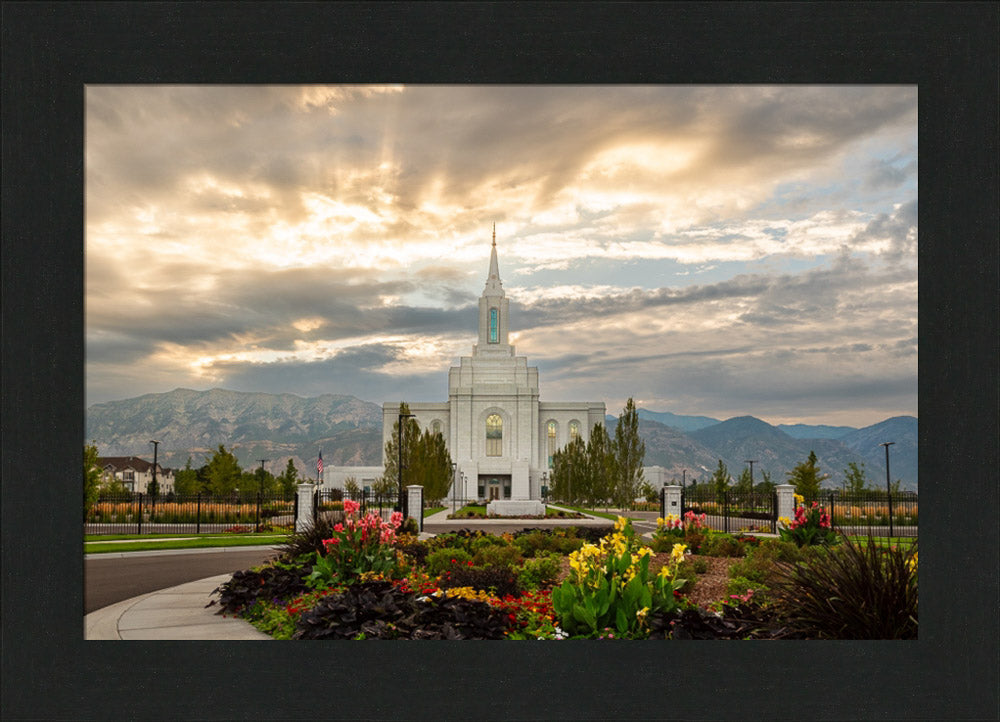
454 485
888 484
399 462
751 462
154 485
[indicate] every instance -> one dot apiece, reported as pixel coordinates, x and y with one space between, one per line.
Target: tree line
603 470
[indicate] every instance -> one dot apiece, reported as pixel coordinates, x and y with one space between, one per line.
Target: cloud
278 235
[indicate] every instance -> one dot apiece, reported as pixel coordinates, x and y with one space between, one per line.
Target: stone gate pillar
304 517
671 501
415 504
786 501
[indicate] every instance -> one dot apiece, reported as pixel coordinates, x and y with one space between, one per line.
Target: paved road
111 579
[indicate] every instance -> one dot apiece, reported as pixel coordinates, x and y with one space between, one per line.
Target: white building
498 432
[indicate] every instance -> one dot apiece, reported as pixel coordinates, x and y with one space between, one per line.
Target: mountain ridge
278 427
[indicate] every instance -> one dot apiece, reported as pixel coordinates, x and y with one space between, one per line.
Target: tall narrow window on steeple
494 325
552 441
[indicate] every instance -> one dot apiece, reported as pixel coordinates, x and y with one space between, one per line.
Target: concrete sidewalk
174 613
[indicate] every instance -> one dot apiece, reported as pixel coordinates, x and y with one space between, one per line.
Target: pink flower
338 527
351 507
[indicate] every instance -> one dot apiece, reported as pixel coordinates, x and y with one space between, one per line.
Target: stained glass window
574 430
494 435
552 441
494 323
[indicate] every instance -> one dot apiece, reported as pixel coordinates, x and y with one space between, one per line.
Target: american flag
319 463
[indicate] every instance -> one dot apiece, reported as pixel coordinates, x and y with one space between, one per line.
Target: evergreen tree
855 480
720 481
288 479
223 472
806 477
628 450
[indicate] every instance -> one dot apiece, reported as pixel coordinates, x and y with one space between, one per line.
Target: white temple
499 434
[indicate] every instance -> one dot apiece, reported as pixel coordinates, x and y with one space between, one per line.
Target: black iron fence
878 513
136 513
329 503
733 511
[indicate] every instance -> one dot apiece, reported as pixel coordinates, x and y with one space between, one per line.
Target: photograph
549 362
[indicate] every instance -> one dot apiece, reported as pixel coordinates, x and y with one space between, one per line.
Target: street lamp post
888 485
154 485
399 463
751 462
454 485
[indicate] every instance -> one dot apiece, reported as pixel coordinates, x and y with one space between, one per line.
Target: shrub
722 545
505 555
446 559
277 580
758 570
686 571
535 542
856 591
539 572
700 566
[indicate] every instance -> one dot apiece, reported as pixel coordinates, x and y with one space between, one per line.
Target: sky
706 250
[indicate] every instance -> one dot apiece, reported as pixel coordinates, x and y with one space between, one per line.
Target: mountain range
278 427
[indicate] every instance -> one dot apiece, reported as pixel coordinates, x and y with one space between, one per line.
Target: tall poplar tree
410 438
628 450
601 465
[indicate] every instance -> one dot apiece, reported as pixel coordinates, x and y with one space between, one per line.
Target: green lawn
137 544
433 510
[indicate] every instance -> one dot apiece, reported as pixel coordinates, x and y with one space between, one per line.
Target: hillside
348 430
254 425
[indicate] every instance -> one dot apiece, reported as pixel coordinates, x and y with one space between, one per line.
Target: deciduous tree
91 478
855 480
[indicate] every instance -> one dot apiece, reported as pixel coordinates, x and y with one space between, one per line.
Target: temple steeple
493 283
493 324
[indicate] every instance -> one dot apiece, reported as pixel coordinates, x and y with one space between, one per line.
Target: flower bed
365 581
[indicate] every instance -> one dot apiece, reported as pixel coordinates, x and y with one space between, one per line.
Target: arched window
436 427
494 435
574 430
552 441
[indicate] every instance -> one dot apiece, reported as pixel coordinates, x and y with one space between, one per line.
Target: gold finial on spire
494 234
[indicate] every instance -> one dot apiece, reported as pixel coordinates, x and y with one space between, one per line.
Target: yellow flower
620 524
660 521
799 498
912 564
784 521
677 553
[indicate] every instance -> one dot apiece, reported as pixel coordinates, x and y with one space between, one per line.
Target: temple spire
493 279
